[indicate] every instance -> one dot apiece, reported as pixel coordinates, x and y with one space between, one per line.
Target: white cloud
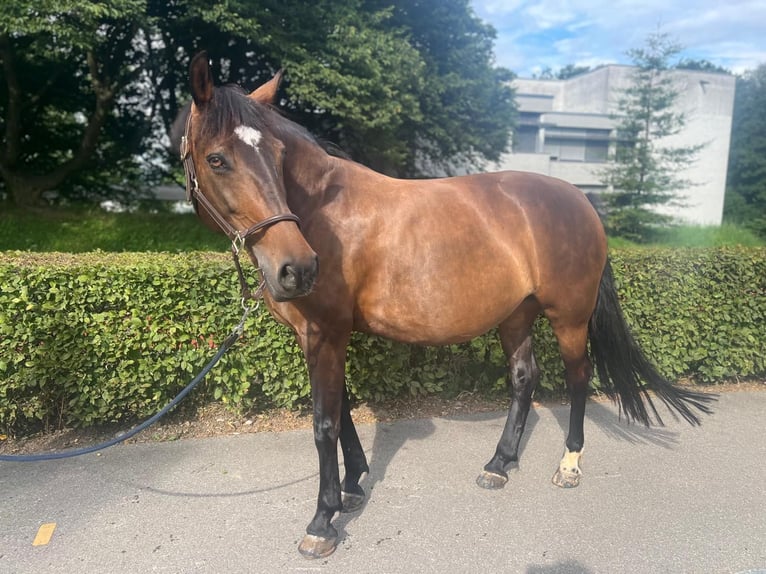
534 34
551 13
497 7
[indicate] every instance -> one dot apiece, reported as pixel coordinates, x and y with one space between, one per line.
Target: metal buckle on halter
237 242
184 150
192 185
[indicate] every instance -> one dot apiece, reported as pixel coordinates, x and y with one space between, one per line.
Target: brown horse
431 262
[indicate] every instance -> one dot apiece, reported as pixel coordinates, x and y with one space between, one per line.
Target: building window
564 149
596 151
525 139
571 144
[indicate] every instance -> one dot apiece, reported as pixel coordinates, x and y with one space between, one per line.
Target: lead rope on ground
225 346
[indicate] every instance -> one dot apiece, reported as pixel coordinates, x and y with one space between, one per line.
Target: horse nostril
288 277
298 279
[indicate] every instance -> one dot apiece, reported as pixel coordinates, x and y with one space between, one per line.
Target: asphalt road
675 499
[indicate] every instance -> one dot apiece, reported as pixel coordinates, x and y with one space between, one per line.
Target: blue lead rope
230 340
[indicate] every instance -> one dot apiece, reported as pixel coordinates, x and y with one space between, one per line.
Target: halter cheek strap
195 196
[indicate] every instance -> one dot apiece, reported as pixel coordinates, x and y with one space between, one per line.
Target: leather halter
195 196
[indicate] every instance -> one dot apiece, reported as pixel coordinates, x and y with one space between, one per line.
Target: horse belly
452 312
429 332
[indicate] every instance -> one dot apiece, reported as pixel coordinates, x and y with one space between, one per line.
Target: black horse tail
624 372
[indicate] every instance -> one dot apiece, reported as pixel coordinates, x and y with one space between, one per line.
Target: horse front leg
326 364
354 459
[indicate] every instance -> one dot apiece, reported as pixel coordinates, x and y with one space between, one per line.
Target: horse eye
216 161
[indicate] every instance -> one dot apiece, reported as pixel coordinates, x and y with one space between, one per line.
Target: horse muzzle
293 279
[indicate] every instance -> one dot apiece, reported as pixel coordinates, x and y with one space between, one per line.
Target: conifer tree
644 172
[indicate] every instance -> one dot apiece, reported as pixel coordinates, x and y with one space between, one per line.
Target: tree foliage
69 115
643 172
563 73
700 66
745 200
88 90
466 103
390 81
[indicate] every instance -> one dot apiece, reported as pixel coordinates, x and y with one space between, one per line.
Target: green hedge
94 338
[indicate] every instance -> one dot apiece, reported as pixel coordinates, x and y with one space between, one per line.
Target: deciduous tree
88 89
66 65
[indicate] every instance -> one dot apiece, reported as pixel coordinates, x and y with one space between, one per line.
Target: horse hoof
351 501
491 481
568 475
313 547
564 479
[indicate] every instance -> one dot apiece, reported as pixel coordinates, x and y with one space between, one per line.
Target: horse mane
231 107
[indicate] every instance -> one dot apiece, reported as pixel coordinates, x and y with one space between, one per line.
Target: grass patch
79 231
726 235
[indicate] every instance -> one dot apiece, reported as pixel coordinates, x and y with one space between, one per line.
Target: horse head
234 165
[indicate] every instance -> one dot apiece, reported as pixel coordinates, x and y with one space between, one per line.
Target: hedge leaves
95 338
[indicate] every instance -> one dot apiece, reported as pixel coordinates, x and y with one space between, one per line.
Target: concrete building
565 130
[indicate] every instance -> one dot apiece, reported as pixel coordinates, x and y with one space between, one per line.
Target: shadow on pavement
568 567
617 428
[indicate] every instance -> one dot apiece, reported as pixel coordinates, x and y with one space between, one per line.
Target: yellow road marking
44 534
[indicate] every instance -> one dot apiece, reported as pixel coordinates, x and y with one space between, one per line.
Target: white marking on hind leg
568 474
249 135
570 463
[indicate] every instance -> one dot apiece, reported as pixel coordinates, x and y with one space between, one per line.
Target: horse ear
201 80
267 93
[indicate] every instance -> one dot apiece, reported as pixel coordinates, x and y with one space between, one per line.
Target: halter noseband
195 196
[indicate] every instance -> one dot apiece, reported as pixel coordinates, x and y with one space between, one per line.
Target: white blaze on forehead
250 136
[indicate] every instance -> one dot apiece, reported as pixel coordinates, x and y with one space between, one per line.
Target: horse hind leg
573 346
524 375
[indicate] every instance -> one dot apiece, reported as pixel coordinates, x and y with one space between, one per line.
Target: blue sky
535 34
